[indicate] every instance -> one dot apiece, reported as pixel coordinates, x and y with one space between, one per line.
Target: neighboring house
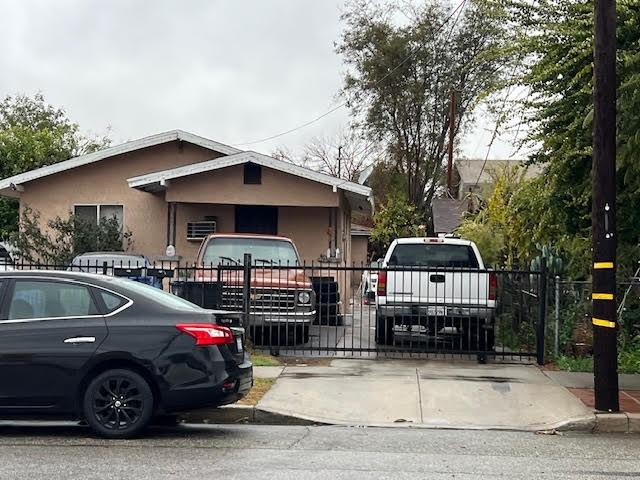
475 174
447 214
360 244
174 188
470 176
359 251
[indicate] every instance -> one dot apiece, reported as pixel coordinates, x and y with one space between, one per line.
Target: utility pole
339 161
603 212
452 123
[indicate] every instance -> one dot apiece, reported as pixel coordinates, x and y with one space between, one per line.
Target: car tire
118 403
384 330
478 339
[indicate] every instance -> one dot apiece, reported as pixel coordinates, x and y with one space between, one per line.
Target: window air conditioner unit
197 231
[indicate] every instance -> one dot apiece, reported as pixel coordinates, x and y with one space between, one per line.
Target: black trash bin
203 294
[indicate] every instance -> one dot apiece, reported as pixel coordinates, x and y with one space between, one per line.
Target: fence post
556 338
542 311
104 268
246 289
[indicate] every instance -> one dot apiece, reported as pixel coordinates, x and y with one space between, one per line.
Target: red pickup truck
281 295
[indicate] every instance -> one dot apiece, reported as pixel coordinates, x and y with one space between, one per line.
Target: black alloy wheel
118 404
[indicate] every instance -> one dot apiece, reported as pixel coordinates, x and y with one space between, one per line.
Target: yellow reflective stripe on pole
602 265
603 323
602 296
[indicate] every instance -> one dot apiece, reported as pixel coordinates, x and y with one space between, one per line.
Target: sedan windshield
264 251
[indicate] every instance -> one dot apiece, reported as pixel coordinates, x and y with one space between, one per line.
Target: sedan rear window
111 302
434 255
156 295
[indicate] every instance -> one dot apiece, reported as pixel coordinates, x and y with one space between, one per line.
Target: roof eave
133 145
143 181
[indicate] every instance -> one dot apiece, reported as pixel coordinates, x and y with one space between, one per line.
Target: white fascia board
127 147
250 157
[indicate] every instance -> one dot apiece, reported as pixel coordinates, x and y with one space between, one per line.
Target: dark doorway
257 219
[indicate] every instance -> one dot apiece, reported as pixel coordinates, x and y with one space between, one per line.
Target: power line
493 137
498 122
343 104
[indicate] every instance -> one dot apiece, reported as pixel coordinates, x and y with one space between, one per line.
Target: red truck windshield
264 251
434 255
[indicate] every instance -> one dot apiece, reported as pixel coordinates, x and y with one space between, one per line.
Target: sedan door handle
80 340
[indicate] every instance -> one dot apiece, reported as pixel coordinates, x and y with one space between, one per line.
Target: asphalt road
270 452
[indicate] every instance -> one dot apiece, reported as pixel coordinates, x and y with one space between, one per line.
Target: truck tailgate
438 287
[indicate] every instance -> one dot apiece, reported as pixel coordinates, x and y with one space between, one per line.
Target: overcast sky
231 70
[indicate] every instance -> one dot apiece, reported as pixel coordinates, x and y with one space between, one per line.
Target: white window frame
98 205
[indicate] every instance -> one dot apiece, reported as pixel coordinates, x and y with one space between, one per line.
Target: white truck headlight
304 297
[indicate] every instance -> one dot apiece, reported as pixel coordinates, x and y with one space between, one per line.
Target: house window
252 174
95 213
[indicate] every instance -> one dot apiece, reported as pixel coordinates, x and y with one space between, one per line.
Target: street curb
243 414
634 422
249 414
602 422
584 424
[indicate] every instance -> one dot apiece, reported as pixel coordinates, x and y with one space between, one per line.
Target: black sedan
111 351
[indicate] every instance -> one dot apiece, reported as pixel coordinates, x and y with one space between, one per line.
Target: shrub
63 239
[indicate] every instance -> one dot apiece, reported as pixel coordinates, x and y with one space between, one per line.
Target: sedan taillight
207 333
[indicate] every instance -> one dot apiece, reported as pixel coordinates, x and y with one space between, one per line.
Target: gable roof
155 181
363 178
447 214
470 169
127 147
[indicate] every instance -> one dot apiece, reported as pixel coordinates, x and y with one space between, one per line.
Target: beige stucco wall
193 212
308 227
359 249
145 215
227 186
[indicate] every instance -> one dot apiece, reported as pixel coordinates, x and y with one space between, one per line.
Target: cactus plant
555 264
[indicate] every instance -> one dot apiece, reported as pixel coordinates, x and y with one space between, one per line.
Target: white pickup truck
436 290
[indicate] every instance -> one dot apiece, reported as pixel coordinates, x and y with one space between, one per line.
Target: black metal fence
337 310
570 332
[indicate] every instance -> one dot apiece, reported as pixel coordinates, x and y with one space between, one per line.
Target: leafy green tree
489 241
553 40
64 238
34 134
396 218
401 73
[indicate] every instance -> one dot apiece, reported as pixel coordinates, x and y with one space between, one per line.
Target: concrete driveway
434 393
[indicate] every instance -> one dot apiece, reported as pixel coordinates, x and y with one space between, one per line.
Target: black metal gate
337 310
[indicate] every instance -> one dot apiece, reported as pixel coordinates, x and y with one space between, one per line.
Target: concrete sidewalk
441 394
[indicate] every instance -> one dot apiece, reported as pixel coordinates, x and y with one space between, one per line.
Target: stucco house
471 176
476 174
173 188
